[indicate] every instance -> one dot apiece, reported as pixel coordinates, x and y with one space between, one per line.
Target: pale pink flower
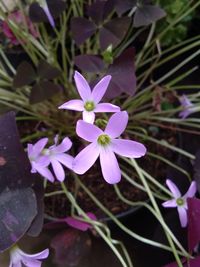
89 103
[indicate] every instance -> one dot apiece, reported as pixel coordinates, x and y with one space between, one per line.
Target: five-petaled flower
180 202
105 144
89 104
41 157
187 106
18 257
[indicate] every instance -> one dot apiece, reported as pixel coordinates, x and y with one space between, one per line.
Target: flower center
180 201
103 140
45 152
89 106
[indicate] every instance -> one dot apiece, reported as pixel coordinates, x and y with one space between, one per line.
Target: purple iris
89 104
41 157
18 257
180 202
187 105
105 144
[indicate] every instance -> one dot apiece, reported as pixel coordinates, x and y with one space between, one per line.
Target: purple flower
41 157
89 104
18 257
45 7
180 202
78 223
104 144
187 105
57 156
39 162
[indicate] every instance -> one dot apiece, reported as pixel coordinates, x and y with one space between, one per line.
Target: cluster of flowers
104 144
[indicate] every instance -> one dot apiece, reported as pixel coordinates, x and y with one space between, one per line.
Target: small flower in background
187 105
57 156
180 202
78 223
105 144
19 18
41 157
38 161
89 104
18 257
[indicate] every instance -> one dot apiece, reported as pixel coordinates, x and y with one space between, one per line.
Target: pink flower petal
88 131
109 166
182 216
106 107
38 147
64 146
88 116
170 203
75 104
45 172
191 191
100 89
86 158
49 16
78 224
38 256
82 86
65 159
117 124
58 170
173 188
30 262
128 148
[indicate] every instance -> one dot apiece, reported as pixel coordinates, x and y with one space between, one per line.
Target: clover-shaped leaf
89 63
111 32
40 80
82 29
123 75
145 12
18 204
99 10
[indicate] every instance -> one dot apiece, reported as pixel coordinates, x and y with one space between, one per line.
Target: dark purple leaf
89 63
113 32
46 71
99 10
197 170
123 75
193 223
18 205
43 91
147 14
37 224
122 6
70 247
25 75
82 29
37 14
56 7
192 263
